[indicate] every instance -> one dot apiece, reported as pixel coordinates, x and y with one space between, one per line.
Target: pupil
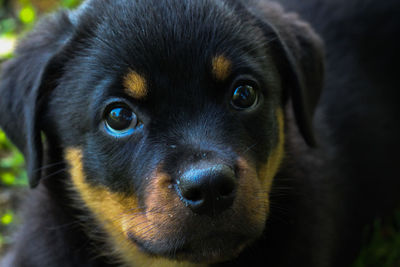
244 96
120 118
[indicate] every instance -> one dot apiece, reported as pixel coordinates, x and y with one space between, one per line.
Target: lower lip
185 252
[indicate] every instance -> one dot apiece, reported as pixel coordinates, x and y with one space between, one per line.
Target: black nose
207 188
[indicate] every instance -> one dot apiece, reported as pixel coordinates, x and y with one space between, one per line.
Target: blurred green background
16 18
382 240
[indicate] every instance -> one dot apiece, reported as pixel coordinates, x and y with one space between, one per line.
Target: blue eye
244 97
121 121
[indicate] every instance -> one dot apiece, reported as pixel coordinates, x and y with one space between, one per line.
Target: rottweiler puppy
187 133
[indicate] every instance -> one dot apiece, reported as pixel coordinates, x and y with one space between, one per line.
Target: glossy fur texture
274 188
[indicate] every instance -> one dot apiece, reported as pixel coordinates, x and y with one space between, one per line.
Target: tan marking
135 85
221 67
250 196
118 214
270 169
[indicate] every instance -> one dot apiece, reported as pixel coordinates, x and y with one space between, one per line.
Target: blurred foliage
18 16
382 245
12 179
12 171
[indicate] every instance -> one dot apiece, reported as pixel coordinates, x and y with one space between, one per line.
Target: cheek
121 216
254 186
268 170
115 212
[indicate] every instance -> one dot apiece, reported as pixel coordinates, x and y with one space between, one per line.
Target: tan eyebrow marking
221 67
135 85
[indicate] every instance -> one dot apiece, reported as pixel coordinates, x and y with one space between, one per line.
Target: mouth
209 249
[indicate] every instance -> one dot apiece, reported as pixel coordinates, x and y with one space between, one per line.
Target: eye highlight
120 121
244 96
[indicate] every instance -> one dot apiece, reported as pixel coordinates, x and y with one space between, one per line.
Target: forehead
169 37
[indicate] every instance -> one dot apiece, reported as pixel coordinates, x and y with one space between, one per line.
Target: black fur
337 175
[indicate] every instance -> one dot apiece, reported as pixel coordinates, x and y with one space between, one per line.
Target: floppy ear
298 52
24 83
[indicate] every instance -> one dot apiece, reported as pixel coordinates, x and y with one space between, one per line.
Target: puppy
180 133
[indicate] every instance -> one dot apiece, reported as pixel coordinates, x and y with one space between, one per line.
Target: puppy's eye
244 97
120 121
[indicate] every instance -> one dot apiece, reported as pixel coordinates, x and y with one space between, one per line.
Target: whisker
249 148
152 227
55 173
48 166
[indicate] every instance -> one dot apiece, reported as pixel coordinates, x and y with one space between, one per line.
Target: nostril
192 194
225 186
190 186
223 181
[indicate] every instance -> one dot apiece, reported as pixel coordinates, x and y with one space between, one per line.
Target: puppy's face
169 115
173 130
